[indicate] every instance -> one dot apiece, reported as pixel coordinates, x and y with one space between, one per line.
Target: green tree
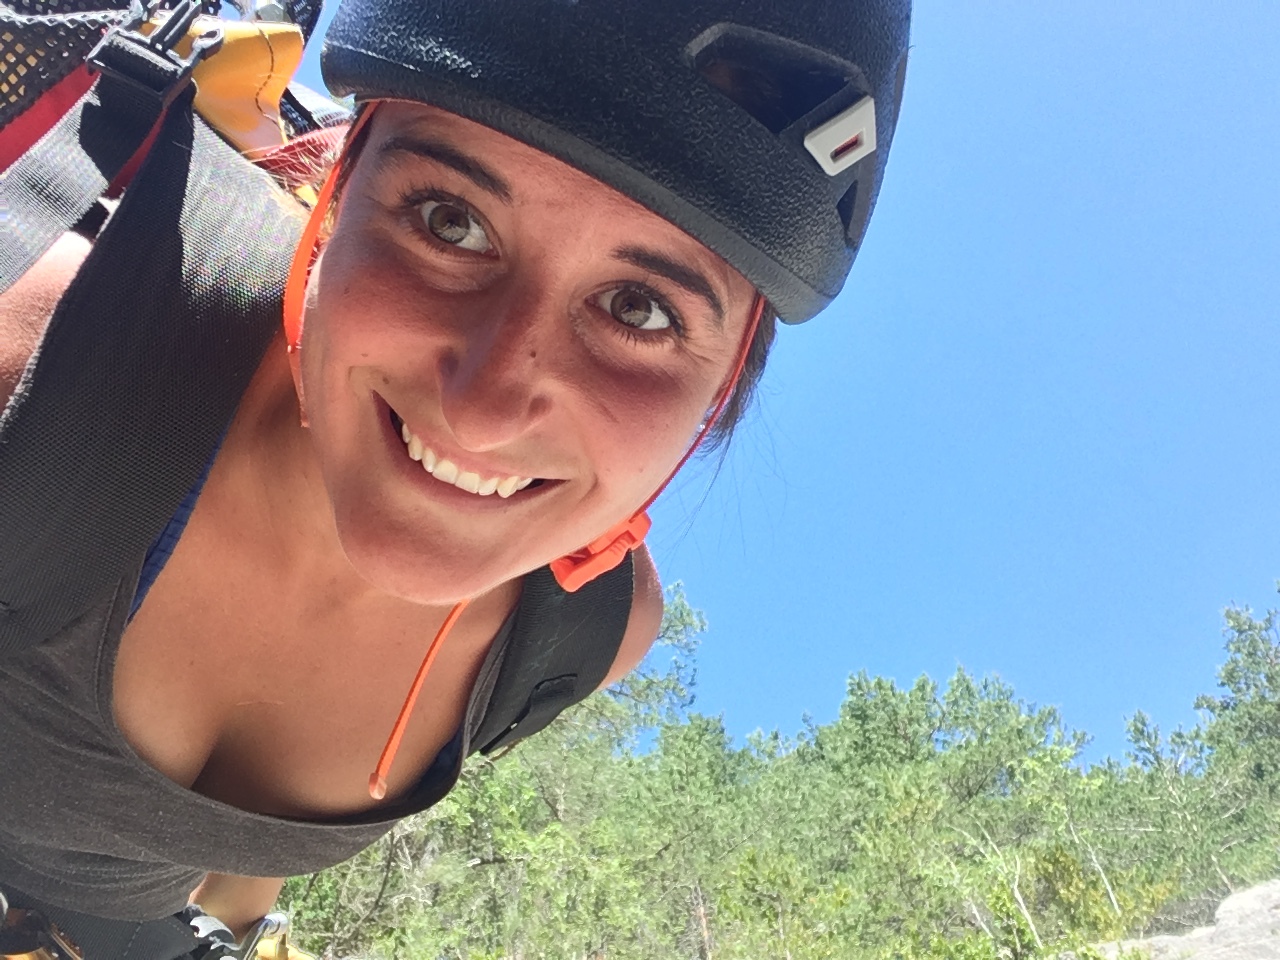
926 822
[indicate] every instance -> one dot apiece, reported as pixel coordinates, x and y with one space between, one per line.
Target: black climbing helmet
760 127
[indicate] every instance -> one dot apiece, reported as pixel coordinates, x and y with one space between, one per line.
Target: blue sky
1037 433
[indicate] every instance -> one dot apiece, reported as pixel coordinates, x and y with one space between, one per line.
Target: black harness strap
54 184
561 648
139 373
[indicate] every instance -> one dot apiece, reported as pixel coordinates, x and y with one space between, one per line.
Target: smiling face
502 356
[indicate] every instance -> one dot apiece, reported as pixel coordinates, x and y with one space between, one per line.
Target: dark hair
757 353
745 390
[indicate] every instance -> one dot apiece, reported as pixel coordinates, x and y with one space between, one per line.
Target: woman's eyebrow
454 159
677 273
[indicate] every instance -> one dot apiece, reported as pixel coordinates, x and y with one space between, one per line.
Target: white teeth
446 470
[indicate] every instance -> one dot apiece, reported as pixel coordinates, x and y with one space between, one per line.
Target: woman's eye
453 225
635 308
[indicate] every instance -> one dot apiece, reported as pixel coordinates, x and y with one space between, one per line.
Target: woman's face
548 345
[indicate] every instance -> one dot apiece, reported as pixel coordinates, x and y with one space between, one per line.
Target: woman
558 239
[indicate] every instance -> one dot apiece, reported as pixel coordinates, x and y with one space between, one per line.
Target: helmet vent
777 81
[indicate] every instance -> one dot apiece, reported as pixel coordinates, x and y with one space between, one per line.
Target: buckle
27 935
601 555
268 940
151 62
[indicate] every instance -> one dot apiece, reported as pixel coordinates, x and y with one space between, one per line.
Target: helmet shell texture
697 109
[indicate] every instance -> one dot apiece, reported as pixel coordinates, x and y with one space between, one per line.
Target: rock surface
1246 927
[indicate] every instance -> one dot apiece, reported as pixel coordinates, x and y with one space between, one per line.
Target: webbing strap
140 370
26 129
55 183
561 648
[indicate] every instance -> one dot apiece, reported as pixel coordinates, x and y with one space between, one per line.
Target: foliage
926 822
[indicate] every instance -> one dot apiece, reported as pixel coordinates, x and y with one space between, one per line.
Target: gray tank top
85 823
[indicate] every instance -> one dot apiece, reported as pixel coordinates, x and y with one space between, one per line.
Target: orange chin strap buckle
602 554
605 552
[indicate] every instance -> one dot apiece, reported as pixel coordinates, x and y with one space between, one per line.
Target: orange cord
304 257
378 779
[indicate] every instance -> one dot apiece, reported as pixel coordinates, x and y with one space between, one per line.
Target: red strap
130 169
25 131
22 132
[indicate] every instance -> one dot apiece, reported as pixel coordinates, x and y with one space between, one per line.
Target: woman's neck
275 492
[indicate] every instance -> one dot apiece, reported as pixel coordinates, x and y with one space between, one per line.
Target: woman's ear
295 333
295 369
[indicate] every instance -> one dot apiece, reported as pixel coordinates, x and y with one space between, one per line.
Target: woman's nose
494 375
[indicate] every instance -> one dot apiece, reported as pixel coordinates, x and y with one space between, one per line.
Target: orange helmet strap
304 258
605 552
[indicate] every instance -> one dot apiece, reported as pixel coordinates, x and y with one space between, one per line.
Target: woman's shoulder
25 308
644 621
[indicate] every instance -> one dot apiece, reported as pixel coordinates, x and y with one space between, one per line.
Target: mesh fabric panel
41 41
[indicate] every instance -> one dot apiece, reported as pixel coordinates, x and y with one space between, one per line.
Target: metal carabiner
268 940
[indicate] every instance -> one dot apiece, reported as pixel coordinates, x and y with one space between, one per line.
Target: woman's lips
448 472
